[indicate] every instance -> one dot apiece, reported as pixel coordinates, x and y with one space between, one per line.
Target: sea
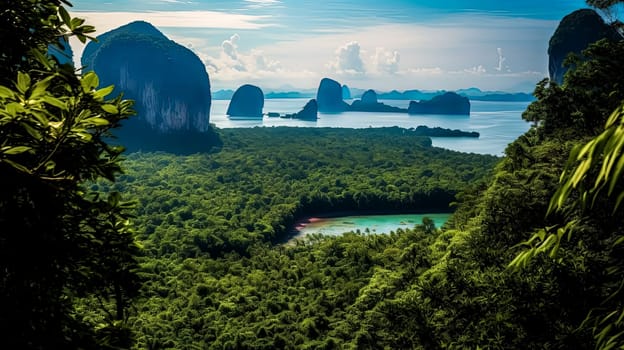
498 123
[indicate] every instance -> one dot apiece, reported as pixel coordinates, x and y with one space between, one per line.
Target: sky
283 45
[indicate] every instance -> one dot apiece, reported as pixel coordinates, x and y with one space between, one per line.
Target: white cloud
454 53
262 3
348 60
425 71
386 61
229 46
105 21
231 67
501 61
476 70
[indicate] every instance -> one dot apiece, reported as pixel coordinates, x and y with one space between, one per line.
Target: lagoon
499 123
374 224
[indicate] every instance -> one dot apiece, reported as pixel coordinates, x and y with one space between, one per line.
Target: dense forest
160 251
211 227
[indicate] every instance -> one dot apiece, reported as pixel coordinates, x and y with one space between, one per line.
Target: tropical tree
59 241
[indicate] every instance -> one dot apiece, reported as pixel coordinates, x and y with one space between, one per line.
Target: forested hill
213 277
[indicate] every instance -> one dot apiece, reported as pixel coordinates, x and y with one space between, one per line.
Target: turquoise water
499 123
364 223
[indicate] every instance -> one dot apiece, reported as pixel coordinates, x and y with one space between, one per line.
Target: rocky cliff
574 33
247 101
447 103
168 82
329 97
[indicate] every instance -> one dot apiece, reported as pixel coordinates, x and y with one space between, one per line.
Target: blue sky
379 44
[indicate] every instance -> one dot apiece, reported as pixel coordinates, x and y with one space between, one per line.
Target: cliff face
247 101
168 82
448 103
329 97
574 33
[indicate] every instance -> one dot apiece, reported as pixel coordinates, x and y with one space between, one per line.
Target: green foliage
216 273
59 241
593 173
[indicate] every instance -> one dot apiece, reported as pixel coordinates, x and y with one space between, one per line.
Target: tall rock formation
247 101
168 82
447 103
329 97
346 92
574 33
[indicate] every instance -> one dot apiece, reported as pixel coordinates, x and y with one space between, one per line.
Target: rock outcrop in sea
329 97
574 33
247 102
309 112
168 82
447 103
369 103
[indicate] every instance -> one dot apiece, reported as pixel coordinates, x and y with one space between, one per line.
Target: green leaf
97 121
16 165
32 131
50 165
14 108
15 150
40 88
75 23
85 136
53 101
87 29
108 108
103 92
6 93
89 81
65 16
23 82
41 58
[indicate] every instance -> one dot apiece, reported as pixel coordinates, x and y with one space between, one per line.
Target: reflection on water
499 123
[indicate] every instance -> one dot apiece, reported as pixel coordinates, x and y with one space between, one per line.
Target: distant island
474 94
423 130
370 103
447 103
288 94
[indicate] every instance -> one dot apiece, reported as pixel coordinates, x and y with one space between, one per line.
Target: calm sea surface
499 123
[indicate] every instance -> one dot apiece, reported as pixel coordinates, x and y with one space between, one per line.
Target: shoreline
294 231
